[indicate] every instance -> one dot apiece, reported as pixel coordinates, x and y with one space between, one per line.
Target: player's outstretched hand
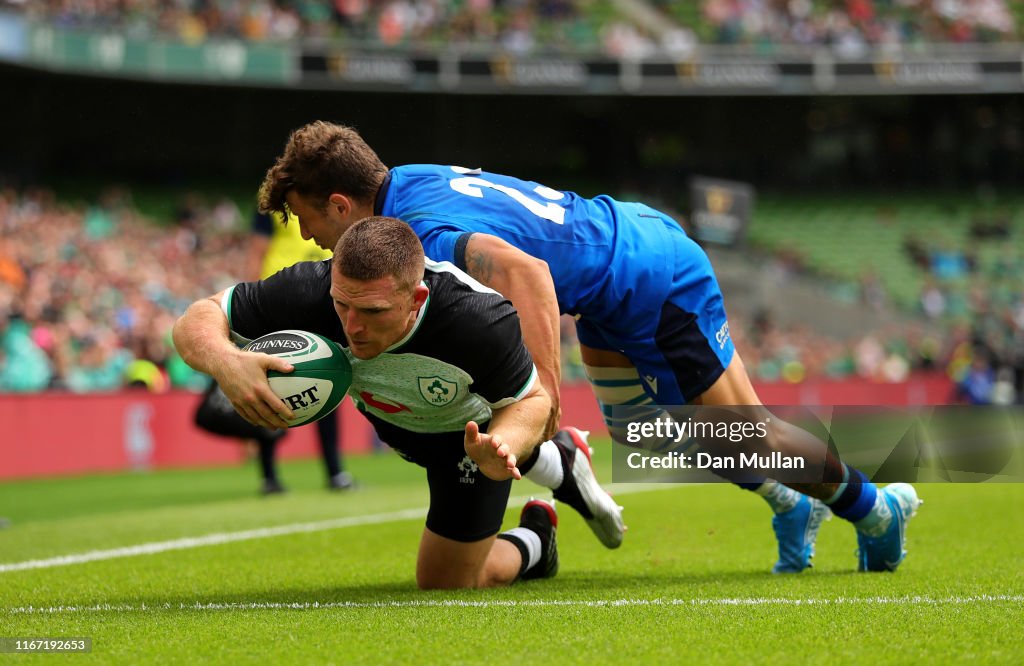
243 378
491 454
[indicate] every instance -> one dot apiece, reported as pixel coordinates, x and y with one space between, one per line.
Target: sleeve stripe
528 386
460 251
225 303
505 402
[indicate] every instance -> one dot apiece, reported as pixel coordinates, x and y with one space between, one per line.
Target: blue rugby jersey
599 250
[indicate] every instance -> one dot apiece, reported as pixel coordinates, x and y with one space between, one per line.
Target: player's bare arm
202 338
526 282
513 433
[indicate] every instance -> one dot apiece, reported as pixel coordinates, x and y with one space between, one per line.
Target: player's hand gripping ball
321 377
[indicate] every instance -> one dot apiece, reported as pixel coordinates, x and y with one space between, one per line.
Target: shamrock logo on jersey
438 391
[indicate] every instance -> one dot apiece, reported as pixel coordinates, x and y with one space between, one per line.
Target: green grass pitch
335 583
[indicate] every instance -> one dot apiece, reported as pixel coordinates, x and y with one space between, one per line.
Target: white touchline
512 603
246 535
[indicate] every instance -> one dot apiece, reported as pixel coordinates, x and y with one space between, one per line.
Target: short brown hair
378 247
320 159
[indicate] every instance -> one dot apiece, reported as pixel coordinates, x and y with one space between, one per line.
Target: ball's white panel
306 396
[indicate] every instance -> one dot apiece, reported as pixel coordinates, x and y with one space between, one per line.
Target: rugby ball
321 377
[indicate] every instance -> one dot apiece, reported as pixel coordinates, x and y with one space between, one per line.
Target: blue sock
855 497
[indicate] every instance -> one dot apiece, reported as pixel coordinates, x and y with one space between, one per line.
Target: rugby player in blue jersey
650 318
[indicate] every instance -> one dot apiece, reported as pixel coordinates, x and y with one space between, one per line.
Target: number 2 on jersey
472 186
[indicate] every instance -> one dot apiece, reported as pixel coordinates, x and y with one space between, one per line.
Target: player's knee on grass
466 512
445 564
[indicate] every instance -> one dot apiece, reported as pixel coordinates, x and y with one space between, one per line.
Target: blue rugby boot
885 552
796 531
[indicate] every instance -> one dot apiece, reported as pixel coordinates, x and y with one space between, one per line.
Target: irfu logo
437 391
468 467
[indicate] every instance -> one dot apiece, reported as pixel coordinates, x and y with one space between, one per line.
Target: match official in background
277 244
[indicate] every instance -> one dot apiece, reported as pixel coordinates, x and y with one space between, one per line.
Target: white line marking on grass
213 540
510 603
218 538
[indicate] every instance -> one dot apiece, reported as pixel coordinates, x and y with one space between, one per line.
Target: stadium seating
952 261
841 237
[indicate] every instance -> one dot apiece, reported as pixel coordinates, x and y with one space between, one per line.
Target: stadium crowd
851 25
522 26
518 25
981 301
89 292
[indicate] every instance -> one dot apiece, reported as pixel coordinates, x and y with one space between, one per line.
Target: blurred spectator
86 290
23 366
933 302
977 385
99 366
870 354
916 250
949 262
872 291
1003 390
144 374
624 40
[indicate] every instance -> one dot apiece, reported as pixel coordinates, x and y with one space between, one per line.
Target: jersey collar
420 316
382 194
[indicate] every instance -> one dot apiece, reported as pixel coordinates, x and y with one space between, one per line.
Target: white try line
218 538
525 603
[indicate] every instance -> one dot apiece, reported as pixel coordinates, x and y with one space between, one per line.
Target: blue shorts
674 330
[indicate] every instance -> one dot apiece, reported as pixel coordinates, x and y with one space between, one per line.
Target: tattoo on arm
480 265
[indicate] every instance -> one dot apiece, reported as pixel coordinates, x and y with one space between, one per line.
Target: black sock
526 465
